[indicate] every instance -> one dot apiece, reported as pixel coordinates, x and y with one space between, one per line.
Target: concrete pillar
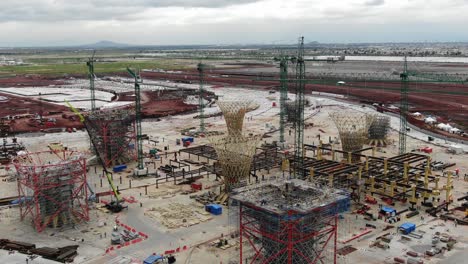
385 167
319 151
448 187
405 171
428 164
392 188
426 183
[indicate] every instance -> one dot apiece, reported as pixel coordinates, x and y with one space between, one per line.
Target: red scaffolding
287 221
52 188
113 134
294 238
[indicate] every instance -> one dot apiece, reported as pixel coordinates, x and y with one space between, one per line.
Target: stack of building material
62 254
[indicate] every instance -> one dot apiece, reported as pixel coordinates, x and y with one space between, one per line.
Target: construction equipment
92 195
74 110
299 108
403 108
370 199
201 105
283 61
138 80
92 77
404 76
115 205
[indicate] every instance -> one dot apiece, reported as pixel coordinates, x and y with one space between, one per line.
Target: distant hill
105 44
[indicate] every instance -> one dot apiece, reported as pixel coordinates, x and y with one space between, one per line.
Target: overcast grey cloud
375 2
162 22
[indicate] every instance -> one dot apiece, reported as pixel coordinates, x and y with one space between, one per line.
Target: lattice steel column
235 155
353 129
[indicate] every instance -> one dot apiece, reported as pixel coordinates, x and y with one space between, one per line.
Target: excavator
116 204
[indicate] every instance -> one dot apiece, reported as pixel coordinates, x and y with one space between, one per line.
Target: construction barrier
142 236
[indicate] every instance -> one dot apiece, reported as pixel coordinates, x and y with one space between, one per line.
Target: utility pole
92 77
299 107
137 77
403 107
201 105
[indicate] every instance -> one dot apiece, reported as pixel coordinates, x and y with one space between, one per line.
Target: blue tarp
388 209
215 209
119 168
408 227
190 139
152 259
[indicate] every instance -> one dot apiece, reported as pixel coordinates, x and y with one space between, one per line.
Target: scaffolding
291 112
378 131
113 133
353 129
8 150
52 188
234 112
235 155
287 221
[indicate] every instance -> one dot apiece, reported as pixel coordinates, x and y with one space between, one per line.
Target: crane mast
139 139
403 108
201 106
92 77
299 107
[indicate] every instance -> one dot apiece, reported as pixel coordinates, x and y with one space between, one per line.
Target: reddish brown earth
447 101
24 109
29 80
161 103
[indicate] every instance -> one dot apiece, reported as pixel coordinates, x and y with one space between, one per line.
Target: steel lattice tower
201 106
92 77
139 139
403 107
299 106
283 60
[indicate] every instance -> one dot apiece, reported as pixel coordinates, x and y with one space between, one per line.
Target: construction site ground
194 240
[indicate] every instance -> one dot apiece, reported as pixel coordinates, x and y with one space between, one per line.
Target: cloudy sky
166 22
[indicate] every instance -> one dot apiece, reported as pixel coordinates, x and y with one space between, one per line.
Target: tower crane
403 108
201 106
283 62
299 107
92 77
116 205
139 139
405 79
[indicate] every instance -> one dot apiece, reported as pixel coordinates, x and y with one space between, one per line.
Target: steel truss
114 135
52 188
291 238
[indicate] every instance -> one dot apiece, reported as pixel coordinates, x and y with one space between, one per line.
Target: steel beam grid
344 175
52 188
291 238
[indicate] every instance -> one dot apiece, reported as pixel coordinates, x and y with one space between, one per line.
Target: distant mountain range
105 44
